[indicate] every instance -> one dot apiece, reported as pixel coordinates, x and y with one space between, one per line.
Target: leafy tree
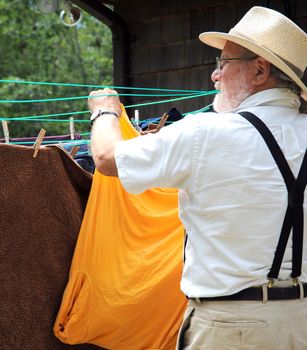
38 47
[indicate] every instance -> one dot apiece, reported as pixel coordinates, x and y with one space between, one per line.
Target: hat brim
218 40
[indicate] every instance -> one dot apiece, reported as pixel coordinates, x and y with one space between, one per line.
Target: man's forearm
105 108
105 134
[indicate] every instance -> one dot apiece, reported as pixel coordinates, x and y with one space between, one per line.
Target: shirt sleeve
164 159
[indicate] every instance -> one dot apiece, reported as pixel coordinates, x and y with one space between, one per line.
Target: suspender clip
295 281
271 282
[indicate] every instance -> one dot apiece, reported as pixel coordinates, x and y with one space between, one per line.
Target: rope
96 96
177 94
94 86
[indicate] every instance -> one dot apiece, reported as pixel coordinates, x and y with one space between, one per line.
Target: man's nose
215 76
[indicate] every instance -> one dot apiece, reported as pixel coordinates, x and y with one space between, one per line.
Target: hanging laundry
43 200
86 162
123 291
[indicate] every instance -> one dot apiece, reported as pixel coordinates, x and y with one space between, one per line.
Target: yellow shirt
123 291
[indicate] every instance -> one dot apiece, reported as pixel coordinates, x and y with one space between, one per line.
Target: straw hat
270 35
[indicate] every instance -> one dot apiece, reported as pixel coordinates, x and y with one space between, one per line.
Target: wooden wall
164 48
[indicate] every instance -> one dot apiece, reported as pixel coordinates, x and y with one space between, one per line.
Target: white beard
227 100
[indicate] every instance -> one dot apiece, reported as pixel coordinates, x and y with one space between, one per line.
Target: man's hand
110 103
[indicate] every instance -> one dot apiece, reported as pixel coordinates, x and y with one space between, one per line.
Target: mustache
217 85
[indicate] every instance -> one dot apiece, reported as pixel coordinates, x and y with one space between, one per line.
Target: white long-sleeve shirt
232 197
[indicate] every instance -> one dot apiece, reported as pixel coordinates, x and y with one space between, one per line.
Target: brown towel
42 204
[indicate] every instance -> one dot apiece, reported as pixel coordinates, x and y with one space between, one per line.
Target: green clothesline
96 96
41 119
53 118
66 142
47 120
207 93
94 86
46 115
44 118
85 120
204 109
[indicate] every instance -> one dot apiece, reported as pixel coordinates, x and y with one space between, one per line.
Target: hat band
294 68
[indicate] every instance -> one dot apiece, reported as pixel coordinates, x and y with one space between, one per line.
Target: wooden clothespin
6 131
38 142
74 150
72 128
154 128
162 121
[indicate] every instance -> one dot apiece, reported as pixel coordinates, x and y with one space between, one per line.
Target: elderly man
241 174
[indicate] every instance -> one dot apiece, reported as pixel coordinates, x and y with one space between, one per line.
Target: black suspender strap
294 217
296 201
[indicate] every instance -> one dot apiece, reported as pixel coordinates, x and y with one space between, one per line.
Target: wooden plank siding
164 48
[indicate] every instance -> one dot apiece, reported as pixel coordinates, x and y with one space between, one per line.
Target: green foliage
38 47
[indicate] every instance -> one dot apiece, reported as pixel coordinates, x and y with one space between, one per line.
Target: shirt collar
271 97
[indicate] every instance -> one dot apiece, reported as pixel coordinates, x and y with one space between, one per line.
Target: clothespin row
6 131
38 142
153 128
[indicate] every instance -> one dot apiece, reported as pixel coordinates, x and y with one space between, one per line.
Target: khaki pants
244 325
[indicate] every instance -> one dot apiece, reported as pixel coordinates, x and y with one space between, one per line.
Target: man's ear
263 70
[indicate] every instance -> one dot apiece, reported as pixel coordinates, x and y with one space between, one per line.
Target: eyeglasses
219 65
